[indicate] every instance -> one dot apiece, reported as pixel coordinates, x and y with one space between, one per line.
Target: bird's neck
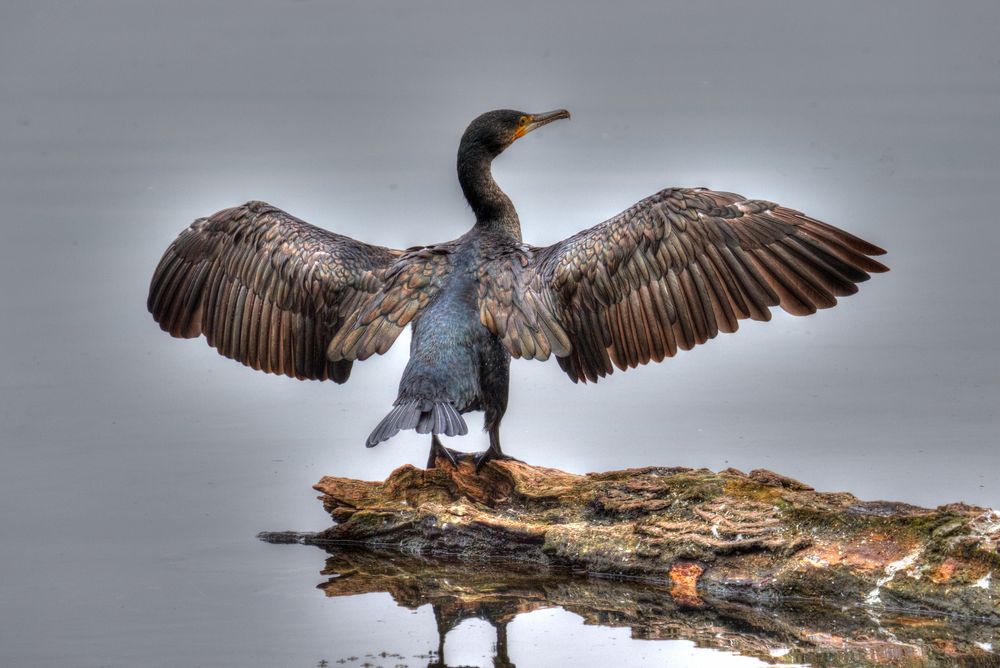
494 210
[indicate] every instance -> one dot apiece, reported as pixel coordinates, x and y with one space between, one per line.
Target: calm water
254 604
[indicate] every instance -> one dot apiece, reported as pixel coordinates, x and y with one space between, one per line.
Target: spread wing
665 275
266 288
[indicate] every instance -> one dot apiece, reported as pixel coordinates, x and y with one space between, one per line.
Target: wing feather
408 287
267 289
665 275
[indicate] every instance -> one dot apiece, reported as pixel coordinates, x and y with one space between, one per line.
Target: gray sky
121 122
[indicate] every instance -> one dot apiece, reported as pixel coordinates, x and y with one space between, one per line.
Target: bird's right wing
267 289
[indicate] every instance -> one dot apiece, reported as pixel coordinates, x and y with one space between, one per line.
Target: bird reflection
495 615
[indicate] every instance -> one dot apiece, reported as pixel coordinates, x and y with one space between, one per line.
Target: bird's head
496 130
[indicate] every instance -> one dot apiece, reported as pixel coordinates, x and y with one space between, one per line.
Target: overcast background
126 453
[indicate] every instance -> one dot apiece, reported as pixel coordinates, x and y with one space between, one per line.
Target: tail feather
387 427
410 416
427 417
425 423
440 424
454 423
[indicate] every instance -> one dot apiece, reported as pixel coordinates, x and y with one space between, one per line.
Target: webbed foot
483 458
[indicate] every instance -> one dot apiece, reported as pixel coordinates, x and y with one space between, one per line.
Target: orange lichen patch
956 571
944 572
875 551
823 555
872 552
684 583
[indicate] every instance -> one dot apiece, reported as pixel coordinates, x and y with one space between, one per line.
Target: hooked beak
538 120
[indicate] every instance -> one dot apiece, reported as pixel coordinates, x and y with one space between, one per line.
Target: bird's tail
424 415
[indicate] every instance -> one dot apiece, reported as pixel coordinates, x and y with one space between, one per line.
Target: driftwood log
755 536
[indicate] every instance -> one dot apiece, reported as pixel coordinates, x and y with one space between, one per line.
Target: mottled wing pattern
515 305
266 288
409 286
670 273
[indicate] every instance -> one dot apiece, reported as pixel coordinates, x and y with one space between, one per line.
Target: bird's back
448 339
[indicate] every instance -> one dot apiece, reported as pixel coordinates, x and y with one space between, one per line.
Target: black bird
668 273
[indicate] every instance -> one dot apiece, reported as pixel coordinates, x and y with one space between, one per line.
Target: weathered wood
728 535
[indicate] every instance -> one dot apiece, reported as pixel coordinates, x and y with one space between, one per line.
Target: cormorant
666 274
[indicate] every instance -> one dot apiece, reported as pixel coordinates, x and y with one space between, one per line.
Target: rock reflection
801 633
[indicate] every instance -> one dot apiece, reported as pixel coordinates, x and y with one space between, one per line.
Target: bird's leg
502 658
438 450
493 452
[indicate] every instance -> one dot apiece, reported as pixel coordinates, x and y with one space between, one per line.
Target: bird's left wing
267 289
668 273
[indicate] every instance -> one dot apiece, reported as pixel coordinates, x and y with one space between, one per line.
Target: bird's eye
523 121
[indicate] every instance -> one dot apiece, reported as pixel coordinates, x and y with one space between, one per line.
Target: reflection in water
801 633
